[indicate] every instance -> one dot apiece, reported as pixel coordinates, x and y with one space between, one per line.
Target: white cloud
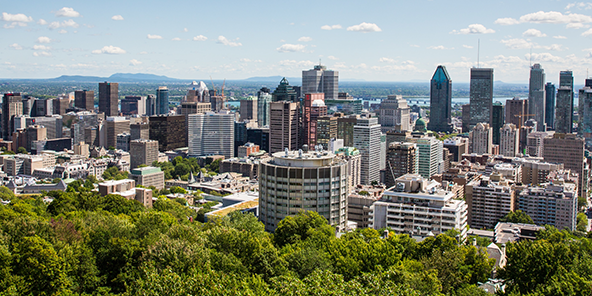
414 45
154 36
554 17
506 21
143 52
559 37
474 29
333 27
176 39
67 12
62 31
304 39
587 33
109 50
225 41
42 22
364 28
533 33
68 23
517 43
41 47
16 46
245 60
467 46
185 30
43 39
579 5
575 26
439 47
544 57
200 38
117 17
291 48
296 64
332 58
134 62
386 60
19 18
42 54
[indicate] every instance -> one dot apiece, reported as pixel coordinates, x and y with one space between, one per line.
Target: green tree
293 229
22 150
517 217
582 224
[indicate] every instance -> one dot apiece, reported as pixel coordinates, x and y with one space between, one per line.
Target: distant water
425 101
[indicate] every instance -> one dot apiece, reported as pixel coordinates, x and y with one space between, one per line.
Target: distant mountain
117 77
292 80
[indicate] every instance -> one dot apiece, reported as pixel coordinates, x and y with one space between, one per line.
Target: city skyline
374 43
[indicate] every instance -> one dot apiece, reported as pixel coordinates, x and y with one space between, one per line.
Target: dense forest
84 244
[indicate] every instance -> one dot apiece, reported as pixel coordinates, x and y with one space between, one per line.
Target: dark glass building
259 136
481 96
440 101
84 99
162 100
170 131
284 92
550 105
109 98
497 121
565 101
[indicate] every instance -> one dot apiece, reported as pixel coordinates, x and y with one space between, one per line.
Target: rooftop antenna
319 61
478 51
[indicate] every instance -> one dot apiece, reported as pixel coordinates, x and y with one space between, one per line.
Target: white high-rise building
367 140
321 80
509 140
481 139
211 134
263 100
429 156
394 114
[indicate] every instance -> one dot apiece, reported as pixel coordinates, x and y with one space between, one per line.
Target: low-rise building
553 203
359 202
148 176
489 199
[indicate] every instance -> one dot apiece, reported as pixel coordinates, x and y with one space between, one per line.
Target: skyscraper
162 100
84 99
585 113
284 92
481 96
440 101
263 100
568 149
509 140
143 151
401 159
115 125
480 139
12 106
536 95
497 121
169 130
283 126
211 134
550 105
314 107
319 79
394 114
516 109
109 98
565 101
197 92
248 108
367 140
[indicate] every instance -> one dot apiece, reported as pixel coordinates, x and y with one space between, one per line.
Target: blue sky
370 40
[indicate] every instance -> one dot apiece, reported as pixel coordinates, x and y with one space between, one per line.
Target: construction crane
521 116
213 86
224 83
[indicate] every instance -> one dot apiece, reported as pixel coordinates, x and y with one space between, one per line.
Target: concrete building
565 101
569 150
143 151
516 111
489 199
359 202
109 98
367 140
550 105
197 92
115 125
536 172
84 99
457 146
35 133
82 149
247 149
52 123
441 101
148 176
481 96
194 108
314 107
429 156
139 131
283 126
345 129
321 80
123 142
401 159
420 208
248 108
481 139
326 130
211 134
312 181
534 143
12 106
354 164
169 130
509 140
536 96
133 105
553 204
394 114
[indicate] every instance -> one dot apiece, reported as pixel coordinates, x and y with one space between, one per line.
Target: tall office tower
248 108
489 199
197 93
441 101
139 131
108 98
326 130
554 203
564 107
481 139
509 140
481 96
585 113
84 99
35 133
53 124
314 107
466 117
169 130
536 95
60 105
497 121
550 105
319 79
240 134
211 134
143 151
568 149
217 102
12 106
115 125
401 159
283 126
263 100
300 171
394 114
284 92
516 111
259 136
150 105
131 105
367 140
429 155
345 129
162 100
